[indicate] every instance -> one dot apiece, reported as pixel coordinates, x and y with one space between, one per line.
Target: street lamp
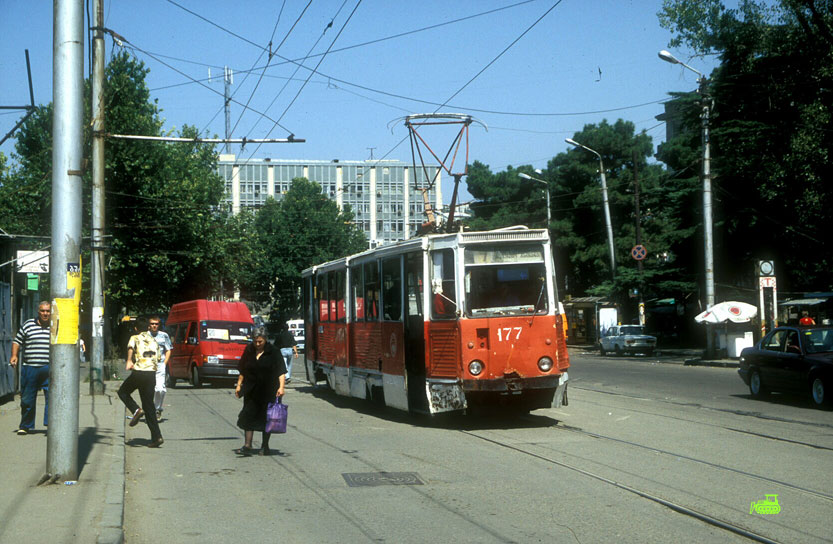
606 205
547 190
707 188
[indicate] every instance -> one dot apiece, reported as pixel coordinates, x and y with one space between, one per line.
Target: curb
721 364
111 526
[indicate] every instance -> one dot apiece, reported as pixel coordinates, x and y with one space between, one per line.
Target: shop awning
803 302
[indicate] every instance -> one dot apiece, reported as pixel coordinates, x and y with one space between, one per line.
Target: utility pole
97 235
65 266
228 79
638 236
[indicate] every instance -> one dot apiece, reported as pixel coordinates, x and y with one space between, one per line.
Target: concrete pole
707 215
96 354
227 103
65 269
608 225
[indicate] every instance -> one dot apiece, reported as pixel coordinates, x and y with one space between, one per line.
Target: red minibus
208 338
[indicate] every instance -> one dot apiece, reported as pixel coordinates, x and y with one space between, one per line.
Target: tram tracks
674 506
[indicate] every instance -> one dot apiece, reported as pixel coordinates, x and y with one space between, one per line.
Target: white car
623 339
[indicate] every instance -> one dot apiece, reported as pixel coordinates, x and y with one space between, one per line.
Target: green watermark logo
767 506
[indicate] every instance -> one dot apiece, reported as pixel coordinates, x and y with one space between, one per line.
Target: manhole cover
358 479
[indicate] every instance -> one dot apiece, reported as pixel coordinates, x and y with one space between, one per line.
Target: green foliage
771 135
504 199
303 229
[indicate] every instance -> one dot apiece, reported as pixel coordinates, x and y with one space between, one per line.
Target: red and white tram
486 331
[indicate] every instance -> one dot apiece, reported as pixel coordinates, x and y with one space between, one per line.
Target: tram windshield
505 281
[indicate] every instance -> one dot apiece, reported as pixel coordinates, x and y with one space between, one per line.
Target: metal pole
96 355
227 101
607 220
707 215
638 236
65 276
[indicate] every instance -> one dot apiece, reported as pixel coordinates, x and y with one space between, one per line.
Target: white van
296 327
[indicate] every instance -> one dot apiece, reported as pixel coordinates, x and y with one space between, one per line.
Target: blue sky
533 72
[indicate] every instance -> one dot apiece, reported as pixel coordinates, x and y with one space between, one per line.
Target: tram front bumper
536 392
512 383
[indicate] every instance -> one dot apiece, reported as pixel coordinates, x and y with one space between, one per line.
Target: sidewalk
90 510
674 356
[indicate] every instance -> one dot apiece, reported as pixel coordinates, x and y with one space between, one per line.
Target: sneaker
158 415
21 432
136 417
156 443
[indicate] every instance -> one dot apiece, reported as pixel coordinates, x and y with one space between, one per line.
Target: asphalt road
645 452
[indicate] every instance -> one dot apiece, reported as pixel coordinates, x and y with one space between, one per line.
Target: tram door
415 332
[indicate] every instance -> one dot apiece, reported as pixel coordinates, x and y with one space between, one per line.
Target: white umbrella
736 312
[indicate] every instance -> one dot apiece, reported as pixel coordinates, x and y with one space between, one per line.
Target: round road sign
639 252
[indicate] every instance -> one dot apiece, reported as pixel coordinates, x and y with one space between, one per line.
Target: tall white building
383 194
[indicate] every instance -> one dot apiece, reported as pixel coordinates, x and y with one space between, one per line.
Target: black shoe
245 451
264 452
156 443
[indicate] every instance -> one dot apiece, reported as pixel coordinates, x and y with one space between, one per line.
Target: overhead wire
276 123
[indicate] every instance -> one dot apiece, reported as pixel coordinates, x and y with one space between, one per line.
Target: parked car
296 327
791 359
623 339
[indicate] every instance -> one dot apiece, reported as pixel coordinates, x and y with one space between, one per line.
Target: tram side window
443 288
323 300
371 291
356 280
332 294
341 275
392 294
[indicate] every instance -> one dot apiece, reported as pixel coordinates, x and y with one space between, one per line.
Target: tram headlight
476 367
545 364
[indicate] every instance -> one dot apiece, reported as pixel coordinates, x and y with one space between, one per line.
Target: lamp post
546 189
707 190
606 205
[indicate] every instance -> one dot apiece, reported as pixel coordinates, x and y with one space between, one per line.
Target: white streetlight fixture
707 189
546 189
606 205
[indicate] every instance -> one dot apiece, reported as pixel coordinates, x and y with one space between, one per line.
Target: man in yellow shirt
142 360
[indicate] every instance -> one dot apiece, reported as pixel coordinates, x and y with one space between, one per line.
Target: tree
503 199
303 229
771 133
162 200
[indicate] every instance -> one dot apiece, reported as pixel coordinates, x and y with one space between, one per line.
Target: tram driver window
443 288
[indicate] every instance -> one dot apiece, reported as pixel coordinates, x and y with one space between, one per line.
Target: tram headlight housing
545 364
476 367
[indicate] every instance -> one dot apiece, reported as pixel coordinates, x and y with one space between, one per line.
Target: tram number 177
505 334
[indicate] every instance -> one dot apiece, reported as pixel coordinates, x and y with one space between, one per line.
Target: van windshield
226 331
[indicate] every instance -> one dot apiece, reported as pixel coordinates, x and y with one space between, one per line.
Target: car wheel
618 350
170 381
818 389
195 377
602 350
755 386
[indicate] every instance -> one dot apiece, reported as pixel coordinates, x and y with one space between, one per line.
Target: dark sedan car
791 359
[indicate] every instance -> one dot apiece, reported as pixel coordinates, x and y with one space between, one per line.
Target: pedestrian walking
289 349
33 337
261 381
142 360
163 340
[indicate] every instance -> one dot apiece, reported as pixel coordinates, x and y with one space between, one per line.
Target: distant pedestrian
142 360
82 350
289 349
261 381
806 319
165 346
33 337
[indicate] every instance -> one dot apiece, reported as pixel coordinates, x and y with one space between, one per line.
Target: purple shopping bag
276 413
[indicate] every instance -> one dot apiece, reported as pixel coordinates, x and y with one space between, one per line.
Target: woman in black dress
261 381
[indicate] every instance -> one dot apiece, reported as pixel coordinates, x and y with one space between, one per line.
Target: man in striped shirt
33 337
